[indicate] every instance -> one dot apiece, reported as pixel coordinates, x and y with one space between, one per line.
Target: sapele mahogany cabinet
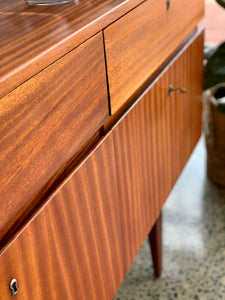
82 242
153 142
100 109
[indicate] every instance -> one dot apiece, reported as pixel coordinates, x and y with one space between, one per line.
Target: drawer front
72 247
138 43
153 142
46 120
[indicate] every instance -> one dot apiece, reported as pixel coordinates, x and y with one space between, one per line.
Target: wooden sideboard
100 109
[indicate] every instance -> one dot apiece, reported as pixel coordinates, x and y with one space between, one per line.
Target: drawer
46 120
153 142
138 43
71 249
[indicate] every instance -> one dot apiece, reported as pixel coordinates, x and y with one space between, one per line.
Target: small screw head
13 287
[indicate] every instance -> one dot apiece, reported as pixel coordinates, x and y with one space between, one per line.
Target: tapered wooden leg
155 238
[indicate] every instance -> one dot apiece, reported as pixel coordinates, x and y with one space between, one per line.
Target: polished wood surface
186 72
33 37
72 248
74 215
141 140
44 122
152 143
137 44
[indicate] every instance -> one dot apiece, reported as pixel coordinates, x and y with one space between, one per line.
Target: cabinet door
72 247
187 73
153 141
139 42
44 122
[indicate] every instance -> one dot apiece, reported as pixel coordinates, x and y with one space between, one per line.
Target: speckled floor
193 242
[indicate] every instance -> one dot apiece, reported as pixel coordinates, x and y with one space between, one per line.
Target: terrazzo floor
193 242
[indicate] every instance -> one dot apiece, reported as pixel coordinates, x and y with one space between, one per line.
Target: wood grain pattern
152 143
137 44
45 121
33 37
186 72
72 248
84 239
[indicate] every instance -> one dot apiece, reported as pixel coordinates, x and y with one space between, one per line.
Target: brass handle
179 90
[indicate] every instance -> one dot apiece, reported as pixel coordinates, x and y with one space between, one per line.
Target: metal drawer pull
179 90
13 287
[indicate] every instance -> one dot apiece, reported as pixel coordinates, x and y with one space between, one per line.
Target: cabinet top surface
33 37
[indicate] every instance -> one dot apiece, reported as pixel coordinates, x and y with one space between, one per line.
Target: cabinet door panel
153 141
137 44
141 159
186 73
72 247
44 122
